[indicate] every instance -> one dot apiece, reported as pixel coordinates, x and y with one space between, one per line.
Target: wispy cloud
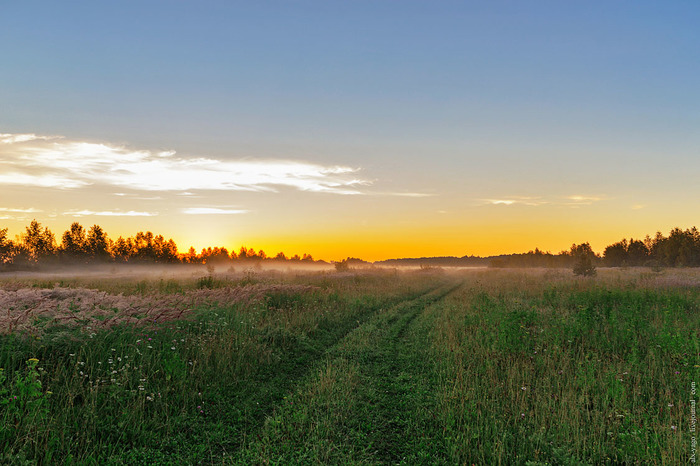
402 194
574 200
212 211
31 210
53 162
108 213
516 200
577 200
6 138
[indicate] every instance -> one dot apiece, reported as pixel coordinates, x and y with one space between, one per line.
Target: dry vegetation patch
32 310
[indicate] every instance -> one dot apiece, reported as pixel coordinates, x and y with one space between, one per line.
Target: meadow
526 367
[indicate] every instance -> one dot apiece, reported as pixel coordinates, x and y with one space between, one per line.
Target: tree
73 242
616 254
6 247
123 249
97 244
39 244
583 257
637 253
190 257
143 246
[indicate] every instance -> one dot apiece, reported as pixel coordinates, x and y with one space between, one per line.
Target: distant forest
678 249
38 246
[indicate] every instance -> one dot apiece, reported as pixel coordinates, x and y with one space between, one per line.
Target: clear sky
373 129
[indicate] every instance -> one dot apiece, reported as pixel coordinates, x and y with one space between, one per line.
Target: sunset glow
366 129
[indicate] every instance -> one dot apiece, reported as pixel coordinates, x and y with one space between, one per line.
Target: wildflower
670 405
674 427
523 388
149 398
522 414
172 347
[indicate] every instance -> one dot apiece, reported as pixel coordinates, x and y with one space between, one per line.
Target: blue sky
457 103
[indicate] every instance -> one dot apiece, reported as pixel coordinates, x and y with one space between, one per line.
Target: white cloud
31 210
399 194
579 198
52 162
516 200
6 138
212 211
108 213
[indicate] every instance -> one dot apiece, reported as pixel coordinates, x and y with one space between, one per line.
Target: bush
584 267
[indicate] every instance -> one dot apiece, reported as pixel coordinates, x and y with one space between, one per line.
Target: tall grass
184 391
510 367
566 371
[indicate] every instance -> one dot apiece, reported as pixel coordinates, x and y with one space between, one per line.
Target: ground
362 367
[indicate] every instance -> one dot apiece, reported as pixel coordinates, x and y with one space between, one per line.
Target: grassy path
238 410
370 402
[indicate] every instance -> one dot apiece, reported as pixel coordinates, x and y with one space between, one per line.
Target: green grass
491 367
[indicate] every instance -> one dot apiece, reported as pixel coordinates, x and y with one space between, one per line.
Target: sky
374 129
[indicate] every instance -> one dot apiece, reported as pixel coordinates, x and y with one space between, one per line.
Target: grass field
377 367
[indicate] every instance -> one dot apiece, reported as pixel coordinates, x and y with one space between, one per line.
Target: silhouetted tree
97 244
583 257
190 257
123 249
616 255
143 246
73 242
215 255
637 253
39 244
6 247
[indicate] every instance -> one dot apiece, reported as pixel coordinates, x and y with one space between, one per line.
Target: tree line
39 246
681 248
78 245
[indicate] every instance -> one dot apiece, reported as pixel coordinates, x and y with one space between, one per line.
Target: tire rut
254 402
397 390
